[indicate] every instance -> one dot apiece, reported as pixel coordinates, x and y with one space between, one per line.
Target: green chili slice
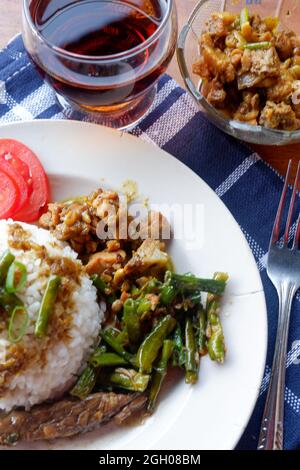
244 17
6 260
47 305
16 277
257 45
18 324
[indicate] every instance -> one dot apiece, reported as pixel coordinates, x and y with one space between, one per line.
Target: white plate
212 414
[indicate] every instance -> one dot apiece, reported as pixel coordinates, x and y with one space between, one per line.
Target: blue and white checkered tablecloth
248 187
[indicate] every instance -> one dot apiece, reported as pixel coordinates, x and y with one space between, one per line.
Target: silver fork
283 268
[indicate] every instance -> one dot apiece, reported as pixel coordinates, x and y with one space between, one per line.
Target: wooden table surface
10 21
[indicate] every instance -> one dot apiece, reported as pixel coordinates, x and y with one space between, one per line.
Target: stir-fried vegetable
16 277
127 379
215 344
189 284
18 324
202 332
131 319
85 383
107 359
109 339
47 306
160 371
192 355
6 261
156 322
150 347
179 351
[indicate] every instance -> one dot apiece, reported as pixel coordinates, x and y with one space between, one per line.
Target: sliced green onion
47 306
244 18
257 45
16 278
18 324
5 261
9 301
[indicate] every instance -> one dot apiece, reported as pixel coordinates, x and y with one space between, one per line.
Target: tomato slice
40 192
18 181
8 196
21 168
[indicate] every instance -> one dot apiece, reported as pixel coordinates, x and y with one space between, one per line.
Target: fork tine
297 235
276 228
291 208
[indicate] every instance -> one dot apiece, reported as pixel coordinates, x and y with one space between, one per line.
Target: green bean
99 283
85 383
187 283
126 379
132 321
151 345
216 343
151 286
167 294
179 352
202 346
103 288
106 359
47 306
143 306
6 261
123 337
117 346
192 356
160 373
257 45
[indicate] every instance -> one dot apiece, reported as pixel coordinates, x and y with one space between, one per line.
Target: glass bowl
288 12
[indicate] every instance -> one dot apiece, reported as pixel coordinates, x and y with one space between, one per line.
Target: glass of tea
101 57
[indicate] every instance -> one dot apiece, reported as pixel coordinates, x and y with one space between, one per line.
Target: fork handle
271 432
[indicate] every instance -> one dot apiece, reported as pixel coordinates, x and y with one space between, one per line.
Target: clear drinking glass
288 12
101 57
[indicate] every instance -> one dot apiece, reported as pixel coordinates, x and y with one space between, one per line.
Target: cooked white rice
64 358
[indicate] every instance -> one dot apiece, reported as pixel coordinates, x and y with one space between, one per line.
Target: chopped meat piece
296 98
214 92
103 260
200 68
236 57
148 255
248 110
282 88
251 56
218 64
258 65
284 45
279 116
219 26
258 25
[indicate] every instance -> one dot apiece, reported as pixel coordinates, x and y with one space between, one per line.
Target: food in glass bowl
250 70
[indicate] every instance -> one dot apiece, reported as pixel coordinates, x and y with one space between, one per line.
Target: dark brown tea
95 27
92 51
